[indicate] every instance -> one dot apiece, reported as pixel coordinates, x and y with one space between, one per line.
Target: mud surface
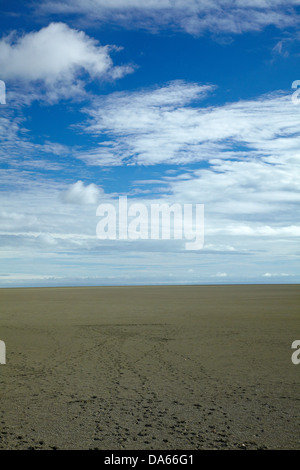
193 367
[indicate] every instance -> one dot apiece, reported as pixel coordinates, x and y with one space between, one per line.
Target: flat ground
191 367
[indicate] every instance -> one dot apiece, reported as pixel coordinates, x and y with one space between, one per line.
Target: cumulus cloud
46 240
77 193
192 16
57 56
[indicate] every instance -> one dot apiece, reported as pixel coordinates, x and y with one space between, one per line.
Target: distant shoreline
150 285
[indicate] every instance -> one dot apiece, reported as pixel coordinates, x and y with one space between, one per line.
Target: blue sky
183 101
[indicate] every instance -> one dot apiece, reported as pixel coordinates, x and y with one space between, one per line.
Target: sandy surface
150 368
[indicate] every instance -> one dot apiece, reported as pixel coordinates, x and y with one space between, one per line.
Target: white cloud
192 16
46 240
147 127
57 56
276 275
26 277
244 187
77 193
165 125
14 221
249 185
59 240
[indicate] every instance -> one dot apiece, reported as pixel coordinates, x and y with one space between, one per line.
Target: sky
164 102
